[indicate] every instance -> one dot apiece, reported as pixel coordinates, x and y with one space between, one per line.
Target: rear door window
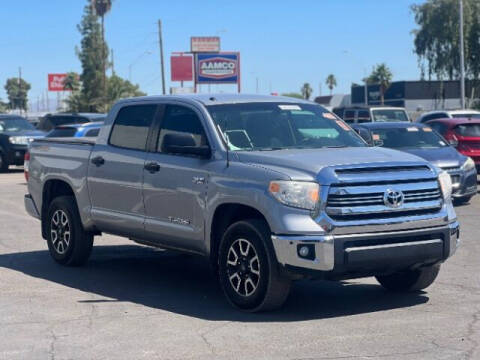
363 116
349 116
131 127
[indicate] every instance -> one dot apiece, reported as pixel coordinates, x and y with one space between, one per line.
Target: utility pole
160 41
462 60
19 96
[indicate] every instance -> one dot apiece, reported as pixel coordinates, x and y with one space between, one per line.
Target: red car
463 133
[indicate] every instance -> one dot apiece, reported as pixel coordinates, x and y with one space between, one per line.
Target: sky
282 43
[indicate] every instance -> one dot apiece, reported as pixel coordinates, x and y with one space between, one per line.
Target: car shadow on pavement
185 285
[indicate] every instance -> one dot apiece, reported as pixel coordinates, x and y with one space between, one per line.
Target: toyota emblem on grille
393 198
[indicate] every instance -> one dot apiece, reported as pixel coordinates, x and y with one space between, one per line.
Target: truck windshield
411 137
384 115
277 126
15 124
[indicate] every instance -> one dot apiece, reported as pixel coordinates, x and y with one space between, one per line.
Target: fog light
304 251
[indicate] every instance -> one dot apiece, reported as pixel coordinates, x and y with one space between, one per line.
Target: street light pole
462 60
160 42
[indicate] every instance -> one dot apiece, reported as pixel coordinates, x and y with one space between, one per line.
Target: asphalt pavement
135 302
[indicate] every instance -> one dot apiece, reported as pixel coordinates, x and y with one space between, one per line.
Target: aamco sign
56 82
218 68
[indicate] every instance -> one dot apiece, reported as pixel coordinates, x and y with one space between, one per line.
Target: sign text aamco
218 68
204 44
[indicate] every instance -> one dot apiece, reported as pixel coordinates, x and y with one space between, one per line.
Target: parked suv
448 114
270 189
363 114
15 134
463 133
51 121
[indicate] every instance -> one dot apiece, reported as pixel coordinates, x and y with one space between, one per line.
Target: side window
178 120
438 127
363 116
130 129
349 116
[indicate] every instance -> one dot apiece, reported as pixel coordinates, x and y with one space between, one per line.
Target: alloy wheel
60 231
243 267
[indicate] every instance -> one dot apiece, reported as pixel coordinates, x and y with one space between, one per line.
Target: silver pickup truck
269 189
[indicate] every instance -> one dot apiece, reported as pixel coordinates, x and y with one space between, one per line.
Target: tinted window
349 115
411 137
468 130
277 126
363 116
472 116
131 126
434 116
92 133
62 132
180 119
385 115
15 124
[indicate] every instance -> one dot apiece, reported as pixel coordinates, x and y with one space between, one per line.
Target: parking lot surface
134 302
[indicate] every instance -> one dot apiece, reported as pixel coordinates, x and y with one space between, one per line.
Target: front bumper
367 253
30 206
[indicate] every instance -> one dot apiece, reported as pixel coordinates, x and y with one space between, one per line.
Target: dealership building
415 96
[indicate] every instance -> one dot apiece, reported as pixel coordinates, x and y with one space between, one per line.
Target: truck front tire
247 268
67 241
411 280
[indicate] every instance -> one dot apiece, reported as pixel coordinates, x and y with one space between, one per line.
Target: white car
445 114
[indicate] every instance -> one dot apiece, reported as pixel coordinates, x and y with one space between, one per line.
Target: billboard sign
218 68
181 68
56 82
204 44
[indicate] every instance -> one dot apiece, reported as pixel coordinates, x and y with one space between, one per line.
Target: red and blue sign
218 68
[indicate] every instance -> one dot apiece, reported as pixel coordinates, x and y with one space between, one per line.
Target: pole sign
56 82
221 68
204 44
181 68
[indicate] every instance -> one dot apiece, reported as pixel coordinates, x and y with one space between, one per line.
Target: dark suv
51 121
15 134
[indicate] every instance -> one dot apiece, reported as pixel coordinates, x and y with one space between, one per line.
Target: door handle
152 167
98 161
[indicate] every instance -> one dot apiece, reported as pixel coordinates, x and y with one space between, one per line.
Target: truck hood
306 164
442 157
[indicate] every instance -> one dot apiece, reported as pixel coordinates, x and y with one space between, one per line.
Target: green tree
17 92
102 7
437 38
331 82
3 107
382 76
118 88
306 91
293 95
93 56
72 82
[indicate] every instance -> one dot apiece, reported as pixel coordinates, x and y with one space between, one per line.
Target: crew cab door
175 184
115 174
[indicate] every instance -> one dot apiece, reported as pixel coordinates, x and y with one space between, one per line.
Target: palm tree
331 82
306 91
102 7
382 76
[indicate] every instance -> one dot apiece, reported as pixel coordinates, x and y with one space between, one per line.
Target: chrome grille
355 199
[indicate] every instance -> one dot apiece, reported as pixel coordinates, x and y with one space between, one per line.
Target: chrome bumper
336 252
30 206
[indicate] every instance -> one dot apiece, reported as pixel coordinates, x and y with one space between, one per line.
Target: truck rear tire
67 241
3 163
411 280
247 267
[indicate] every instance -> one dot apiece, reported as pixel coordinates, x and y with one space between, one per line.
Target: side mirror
453 142
184 143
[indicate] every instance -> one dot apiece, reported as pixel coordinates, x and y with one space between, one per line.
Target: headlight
469 164
298 194
18 140
446 184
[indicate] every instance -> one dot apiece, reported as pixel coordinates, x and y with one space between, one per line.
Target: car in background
51 121
366 114
89 130
421 140
448 114
463 133
15 135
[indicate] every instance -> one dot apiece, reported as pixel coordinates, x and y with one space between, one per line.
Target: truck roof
216 99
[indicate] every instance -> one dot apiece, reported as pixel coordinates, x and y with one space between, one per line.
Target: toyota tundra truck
269 189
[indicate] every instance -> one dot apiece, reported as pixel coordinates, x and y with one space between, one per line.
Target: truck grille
362 200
